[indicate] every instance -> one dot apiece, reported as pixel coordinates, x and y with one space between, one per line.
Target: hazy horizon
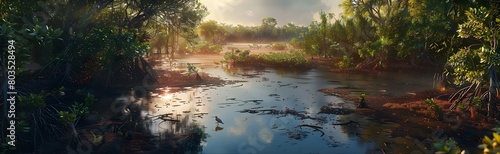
251 12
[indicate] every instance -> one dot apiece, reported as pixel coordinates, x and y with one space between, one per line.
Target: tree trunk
472 113
492 92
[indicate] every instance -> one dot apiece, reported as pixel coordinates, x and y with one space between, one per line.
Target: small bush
296 44
447 147
206 47
278 46
237 56
345 63
281 59
436 109
476 102
291 59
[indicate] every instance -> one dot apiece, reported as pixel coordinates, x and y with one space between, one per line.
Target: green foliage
32 100
431 104
436 109
282 59
212 32
278 46
345 63
237 56
476 102
291 59
462 106
491 146
67 117
469 64
96 139
32 39
82 109
106 43
244 53
191 69
448 147
296 44
207 47
362 96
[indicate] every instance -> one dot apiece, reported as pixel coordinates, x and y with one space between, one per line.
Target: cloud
248 12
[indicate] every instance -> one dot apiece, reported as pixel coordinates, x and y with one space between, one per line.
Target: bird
218 120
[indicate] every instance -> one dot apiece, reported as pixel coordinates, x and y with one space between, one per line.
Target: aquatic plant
362 102
491 145
193 69
431 104
436 109
362 96
447 147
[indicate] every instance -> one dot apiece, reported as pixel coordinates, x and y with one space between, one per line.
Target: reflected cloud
241 126
266 135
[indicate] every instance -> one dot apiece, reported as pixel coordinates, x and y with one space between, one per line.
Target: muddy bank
407 125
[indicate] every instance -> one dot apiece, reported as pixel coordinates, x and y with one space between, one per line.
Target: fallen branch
343 123
312 126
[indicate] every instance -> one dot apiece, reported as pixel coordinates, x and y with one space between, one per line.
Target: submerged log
311 126
344 123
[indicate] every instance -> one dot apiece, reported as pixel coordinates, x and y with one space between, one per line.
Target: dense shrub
345 63
207 47
296 44
277 59
278 46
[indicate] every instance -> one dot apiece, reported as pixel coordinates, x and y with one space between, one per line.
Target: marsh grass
294 58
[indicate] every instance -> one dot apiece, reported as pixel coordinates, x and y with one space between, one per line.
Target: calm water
269 89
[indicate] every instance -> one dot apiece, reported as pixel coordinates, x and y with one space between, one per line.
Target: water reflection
277 114
279 111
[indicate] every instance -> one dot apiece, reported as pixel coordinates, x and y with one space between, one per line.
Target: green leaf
487 141
97 139
496 137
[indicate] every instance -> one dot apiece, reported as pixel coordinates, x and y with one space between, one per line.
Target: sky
251 12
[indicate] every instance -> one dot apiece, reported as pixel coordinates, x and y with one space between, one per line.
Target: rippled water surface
268 110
